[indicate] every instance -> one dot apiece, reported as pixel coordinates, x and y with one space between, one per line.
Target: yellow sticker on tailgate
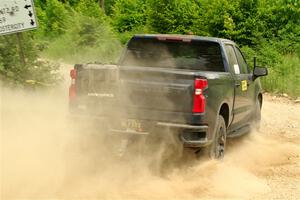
244 85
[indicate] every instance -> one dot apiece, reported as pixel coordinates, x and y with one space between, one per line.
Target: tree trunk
102 5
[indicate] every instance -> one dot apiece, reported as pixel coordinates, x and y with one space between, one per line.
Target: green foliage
109 4
284 76
57 18
128 14
281 23
35 70
178 16
42 18
88 40
79 31
89 8
234 20
124 37
284 73
10 65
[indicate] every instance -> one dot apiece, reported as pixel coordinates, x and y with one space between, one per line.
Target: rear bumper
183 126
189 135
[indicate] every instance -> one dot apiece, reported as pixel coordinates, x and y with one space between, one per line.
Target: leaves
178 16
128 14
79 30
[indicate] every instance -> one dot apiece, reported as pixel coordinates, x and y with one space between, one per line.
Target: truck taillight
73 74
72 89
199 98
72 92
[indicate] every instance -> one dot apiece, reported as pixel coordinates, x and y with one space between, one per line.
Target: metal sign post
21 51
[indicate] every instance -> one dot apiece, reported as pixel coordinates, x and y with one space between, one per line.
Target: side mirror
260 71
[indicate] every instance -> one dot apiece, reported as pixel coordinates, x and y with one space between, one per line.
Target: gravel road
42 157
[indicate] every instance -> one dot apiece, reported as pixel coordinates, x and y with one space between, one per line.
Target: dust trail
44 155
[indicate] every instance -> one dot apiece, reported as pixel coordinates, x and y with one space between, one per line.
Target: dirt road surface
44 157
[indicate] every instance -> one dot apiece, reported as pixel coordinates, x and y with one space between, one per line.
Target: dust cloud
47 155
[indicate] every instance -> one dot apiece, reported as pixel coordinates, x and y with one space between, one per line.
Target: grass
65 50
284 77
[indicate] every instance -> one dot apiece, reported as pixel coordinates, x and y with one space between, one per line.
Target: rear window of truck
192 55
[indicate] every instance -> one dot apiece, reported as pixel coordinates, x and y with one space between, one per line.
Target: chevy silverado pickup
199 88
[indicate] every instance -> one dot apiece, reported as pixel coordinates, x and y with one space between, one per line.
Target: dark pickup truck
198 88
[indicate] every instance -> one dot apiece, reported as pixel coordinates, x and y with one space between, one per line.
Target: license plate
132 124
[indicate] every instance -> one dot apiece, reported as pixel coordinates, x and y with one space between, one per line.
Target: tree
102 5
89 8
128 14
33 71
177 16
56 18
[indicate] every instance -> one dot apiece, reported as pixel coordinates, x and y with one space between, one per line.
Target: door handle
237 84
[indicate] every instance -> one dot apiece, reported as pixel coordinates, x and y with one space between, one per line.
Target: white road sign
16 16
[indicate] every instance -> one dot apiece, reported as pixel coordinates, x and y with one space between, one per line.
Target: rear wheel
216 150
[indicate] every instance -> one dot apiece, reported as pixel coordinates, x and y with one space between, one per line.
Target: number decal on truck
244 85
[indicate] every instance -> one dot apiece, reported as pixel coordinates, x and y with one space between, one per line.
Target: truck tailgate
96 87
156 89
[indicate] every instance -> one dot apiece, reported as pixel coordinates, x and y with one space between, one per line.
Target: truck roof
179 36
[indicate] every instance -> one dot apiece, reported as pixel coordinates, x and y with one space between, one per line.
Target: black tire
216 150
257 115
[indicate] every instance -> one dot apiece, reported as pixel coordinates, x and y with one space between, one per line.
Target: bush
284 77
90 8
56 18
178 16
128 15
284 73
35 70
88 40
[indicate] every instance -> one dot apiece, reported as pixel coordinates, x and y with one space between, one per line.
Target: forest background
78 31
